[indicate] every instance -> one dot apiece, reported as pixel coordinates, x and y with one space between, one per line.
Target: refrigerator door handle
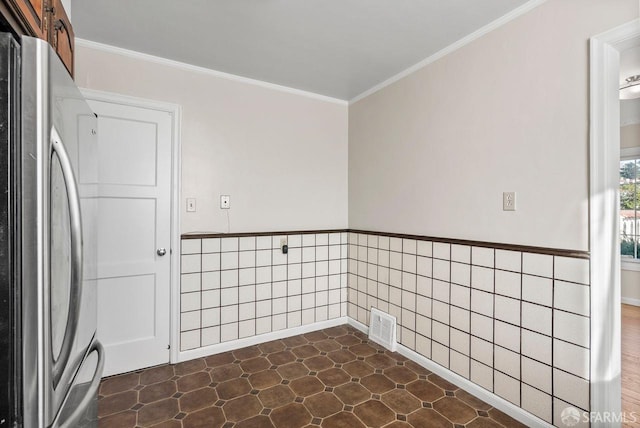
92 392
75 292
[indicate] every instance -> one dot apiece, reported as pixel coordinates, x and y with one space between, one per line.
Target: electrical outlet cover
509 201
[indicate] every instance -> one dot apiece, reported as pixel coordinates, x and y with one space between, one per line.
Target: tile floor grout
330 378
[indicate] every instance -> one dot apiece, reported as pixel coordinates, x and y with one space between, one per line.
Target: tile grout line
553 375
520 331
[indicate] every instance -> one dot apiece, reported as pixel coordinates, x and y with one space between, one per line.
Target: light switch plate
225 202
191 205
509 201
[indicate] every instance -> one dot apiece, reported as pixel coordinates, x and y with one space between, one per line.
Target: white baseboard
255 340
630 301
488 397
499 403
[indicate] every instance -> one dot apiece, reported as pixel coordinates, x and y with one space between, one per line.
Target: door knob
161 251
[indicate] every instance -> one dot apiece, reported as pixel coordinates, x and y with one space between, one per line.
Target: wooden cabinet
45 19
32 15
61 34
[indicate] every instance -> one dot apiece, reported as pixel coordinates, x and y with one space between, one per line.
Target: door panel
32 14
135 320
131 157
61 35
129 226
135 220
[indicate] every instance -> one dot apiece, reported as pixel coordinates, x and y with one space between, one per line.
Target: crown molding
197 69
515 13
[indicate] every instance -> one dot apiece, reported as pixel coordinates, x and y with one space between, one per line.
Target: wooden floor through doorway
631 360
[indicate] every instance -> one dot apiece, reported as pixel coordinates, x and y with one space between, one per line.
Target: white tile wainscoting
515 322
234 287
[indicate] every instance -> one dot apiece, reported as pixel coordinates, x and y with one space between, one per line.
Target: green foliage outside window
630 208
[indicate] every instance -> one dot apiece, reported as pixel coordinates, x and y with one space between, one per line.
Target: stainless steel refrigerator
50 360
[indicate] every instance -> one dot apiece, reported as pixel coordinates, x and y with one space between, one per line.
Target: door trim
175 110
604 163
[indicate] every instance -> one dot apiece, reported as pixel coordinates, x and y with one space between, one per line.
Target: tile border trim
496 245
243 234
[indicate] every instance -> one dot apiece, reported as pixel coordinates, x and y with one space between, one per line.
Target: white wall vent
382 329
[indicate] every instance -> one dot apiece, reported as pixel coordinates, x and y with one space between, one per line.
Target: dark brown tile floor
332 378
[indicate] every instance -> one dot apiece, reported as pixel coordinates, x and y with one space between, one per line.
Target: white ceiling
629 112
629 66
629 63
336 48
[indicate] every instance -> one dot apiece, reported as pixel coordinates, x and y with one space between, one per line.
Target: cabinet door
31 13
61 35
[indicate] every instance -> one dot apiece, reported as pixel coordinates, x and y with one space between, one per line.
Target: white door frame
604 165
175 111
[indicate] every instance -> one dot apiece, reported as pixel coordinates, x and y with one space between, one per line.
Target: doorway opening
629 217
604 211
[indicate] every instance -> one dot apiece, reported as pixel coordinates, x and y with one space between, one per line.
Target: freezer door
80 407
59 132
